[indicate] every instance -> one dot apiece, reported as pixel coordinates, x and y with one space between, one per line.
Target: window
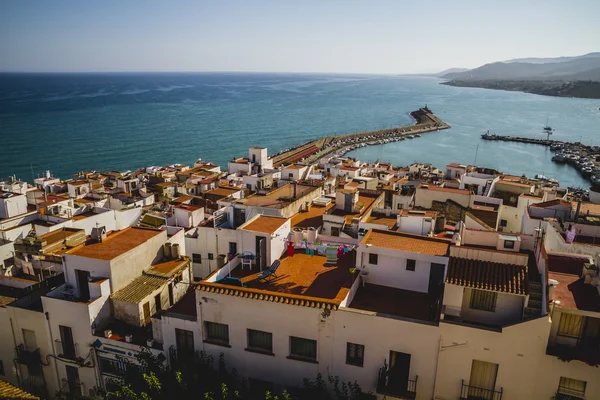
197 258
210 256
66 340
411 265
303 349
260 341
355 354
509 244
373 258
483 300
570 325
573 388
290 175
399 206
29 340
110 367
216 333
503 222
184 340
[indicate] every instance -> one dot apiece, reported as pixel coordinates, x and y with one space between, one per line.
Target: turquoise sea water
72 122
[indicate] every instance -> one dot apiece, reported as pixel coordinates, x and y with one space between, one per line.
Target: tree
197 377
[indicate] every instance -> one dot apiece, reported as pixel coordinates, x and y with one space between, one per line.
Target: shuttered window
573 388
483 300
303 348
355 354
483 379
260 341
570 325
29 340
217 333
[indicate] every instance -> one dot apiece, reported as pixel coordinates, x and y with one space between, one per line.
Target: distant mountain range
563 76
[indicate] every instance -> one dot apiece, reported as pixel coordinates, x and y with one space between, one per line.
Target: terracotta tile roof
487 275
265 224
455 165
140 288
443 189
349 169
406 242
8 391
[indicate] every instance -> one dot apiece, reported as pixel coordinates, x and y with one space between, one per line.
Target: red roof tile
487 275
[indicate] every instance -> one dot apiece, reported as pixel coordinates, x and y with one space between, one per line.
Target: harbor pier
425 121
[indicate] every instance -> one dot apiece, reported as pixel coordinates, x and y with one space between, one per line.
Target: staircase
486 189
534 307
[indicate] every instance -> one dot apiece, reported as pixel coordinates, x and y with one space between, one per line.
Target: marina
585 159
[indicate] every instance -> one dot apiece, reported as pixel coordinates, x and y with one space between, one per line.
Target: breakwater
425 121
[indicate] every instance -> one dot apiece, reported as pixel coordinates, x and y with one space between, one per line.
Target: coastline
577 89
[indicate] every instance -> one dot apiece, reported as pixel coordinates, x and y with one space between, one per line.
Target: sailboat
547 128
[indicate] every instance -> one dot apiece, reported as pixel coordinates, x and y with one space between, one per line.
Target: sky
370 36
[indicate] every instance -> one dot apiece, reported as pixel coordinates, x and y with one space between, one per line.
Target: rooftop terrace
572 292
264 224
406 242
300 277
396 302
278 198
115 244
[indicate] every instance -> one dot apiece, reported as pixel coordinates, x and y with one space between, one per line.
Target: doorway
82 283
399 371
261 252
436 279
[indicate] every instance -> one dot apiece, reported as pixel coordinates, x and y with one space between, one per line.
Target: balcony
67 350
28 357
394 387
586 350
569 394
468 392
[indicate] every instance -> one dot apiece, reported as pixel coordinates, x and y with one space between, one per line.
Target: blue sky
297 36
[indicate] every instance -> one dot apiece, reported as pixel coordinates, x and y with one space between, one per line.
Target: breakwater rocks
425 121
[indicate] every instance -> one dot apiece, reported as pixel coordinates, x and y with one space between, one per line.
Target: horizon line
222 72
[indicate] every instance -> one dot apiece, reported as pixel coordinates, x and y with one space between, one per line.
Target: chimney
98 234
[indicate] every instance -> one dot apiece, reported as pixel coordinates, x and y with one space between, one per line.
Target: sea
67 123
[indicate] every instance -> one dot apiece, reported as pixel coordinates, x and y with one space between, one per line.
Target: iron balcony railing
34 384
469 392
28 357
404 389
565 393
67 350
562 396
